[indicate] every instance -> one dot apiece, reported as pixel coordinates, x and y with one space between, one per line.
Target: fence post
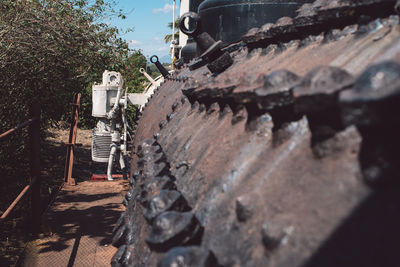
69 158
35 155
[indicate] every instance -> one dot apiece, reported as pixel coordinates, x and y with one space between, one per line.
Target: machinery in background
109 137
109 104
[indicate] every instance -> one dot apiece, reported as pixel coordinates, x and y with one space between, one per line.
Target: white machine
109 105
109 138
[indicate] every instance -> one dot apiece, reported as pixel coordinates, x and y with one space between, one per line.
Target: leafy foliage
49 50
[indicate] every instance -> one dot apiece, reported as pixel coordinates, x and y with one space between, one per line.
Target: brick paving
81 220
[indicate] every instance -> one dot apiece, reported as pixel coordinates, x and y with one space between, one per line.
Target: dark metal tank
228 20
189 51
194 5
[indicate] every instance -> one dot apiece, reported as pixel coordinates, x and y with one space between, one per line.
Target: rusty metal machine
280 148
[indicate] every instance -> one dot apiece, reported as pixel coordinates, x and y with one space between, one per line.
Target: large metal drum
229 20
194 5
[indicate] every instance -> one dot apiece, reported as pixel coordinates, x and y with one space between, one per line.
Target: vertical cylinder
173 32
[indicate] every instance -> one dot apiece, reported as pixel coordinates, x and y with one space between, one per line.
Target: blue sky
149 18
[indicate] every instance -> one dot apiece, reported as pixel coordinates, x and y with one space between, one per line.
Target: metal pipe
153 82
125 122
113 111
22 125
173 31
113 152
123 166
15 202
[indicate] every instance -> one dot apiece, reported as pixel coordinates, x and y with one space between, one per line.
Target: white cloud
135 42
164 48
157 39
165 9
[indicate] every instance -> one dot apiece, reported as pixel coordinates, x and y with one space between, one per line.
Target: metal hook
211 51
195 18
159 66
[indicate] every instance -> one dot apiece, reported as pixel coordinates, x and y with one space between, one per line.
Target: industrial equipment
109 105
109 138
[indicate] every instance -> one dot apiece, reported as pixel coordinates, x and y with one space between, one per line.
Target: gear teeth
172 229
189 256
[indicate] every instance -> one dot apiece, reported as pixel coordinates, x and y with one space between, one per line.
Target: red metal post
35 155
69 159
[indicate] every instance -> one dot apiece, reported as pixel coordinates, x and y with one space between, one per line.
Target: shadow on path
81 220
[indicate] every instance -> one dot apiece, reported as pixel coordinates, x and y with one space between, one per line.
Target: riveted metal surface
286 158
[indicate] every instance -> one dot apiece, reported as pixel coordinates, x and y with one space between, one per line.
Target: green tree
49 50
133 79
